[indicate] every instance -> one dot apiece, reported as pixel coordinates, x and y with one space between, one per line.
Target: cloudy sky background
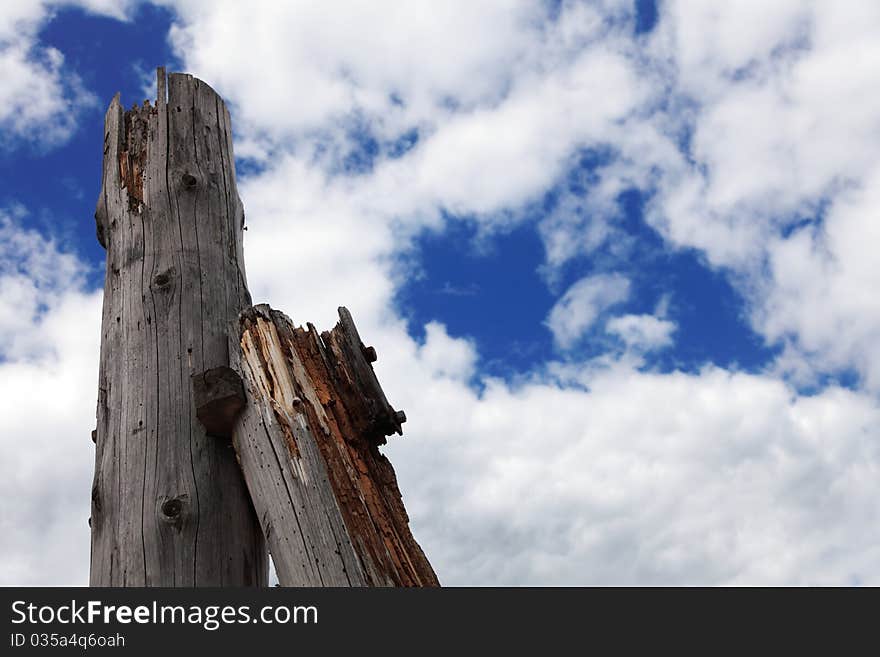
618 260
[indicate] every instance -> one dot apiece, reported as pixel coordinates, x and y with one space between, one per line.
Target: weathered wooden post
308 442
219 423
169 504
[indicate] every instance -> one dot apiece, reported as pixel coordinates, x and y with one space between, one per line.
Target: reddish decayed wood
318 395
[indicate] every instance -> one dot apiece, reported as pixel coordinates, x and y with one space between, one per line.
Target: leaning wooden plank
308 445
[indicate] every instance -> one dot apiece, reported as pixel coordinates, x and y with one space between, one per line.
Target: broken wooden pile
306 422
222 427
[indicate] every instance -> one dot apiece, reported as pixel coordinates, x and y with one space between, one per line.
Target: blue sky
624 247
108 56
486 287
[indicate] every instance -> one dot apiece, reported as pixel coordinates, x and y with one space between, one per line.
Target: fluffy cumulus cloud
715 478
778 172
495 110
751 130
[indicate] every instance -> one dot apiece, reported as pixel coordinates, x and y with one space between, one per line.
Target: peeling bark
308 444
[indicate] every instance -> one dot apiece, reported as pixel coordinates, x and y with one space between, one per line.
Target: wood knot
370 354
218 395
96 498
189 180
172 508
399 417
171 511
163 279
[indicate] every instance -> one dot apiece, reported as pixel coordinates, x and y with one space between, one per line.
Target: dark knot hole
189 180
162 279
172 508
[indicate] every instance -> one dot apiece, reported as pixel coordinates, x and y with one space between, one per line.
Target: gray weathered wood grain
169 504
307 441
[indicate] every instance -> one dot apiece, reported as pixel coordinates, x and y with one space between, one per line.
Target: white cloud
118 9
34 275
642 332
821 296
712 478
785 126
444 356
49 332
327 59
706 478
582 303
400 63
578 473
499 108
